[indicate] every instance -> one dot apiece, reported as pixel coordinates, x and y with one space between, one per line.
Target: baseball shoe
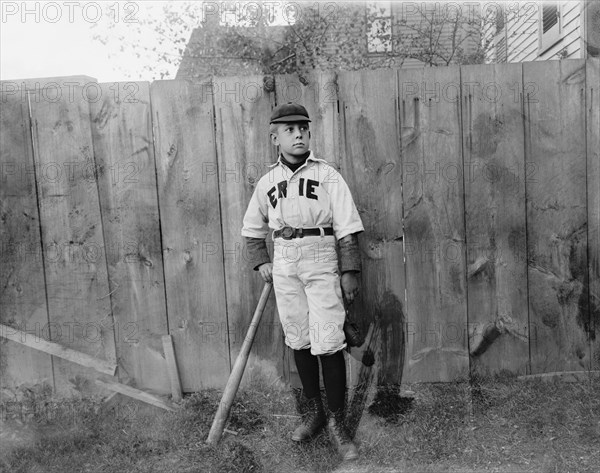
340 436
313 420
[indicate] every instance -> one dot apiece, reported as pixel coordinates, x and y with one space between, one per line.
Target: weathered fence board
22 291
124 151
183 124
494 177
57 350
75 266
371 161
593 202
556 214
318 93
433 224
242 109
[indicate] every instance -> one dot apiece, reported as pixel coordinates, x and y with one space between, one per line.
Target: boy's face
292 138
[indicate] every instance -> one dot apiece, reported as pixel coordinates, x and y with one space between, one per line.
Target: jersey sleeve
256 251
256 219
346 219
349 254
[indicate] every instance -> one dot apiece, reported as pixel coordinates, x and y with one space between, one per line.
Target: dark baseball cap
289 112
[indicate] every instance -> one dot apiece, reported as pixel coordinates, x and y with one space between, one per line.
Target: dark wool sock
334 378
308 369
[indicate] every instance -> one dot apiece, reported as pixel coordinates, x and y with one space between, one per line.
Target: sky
40 39
52 39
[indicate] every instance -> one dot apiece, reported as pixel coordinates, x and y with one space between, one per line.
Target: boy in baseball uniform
307 207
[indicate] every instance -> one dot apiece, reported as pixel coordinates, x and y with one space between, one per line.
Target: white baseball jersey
315 195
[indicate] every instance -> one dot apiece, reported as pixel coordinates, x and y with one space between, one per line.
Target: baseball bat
233 383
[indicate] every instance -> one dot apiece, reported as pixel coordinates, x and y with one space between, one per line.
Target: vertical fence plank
318 93
554 94
22 291
242 109
182 114
124 150
593 200
76 275
433 224
371 164
494 174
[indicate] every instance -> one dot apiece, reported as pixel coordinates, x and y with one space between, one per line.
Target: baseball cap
289 112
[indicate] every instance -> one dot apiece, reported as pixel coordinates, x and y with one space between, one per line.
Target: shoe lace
312 413
340 430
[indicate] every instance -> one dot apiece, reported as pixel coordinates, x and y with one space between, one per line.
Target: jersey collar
311 157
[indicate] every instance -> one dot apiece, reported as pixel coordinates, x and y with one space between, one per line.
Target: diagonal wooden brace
55 349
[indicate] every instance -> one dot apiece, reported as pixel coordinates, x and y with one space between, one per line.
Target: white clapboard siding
523 33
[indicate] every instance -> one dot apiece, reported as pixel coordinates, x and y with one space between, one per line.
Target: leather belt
287 233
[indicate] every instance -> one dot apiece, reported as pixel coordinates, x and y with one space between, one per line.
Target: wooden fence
479 188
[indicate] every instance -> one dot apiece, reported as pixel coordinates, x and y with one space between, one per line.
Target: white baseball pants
309 297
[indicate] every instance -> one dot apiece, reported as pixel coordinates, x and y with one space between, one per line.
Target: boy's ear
274 139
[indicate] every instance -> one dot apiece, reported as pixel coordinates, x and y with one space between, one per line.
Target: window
379 27
550 27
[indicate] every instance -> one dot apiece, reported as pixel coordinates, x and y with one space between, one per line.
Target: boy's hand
349 285
266 271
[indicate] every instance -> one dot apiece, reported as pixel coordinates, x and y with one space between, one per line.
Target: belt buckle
287 233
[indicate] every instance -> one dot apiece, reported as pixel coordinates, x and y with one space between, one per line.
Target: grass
494 424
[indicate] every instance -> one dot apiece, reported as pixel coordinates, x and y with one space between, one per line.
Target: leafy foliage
157 34
251 39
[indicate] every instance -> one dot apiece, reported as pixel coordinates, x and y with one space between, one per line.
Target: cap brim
290 119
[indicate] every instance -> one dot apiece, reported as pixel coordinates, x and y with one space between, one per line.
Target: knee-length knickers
309 297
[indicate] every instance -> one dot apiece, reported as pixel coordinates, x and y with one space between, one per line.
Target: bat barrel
233 383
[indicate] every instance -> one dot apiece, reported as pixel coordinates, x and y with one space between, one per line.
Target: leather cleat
341 438
313 420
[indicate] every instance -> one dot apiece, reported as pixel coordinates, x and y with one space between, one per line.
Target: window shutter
549 16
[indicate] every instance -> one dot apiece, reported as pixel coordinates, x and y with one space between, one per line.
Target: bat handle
233 383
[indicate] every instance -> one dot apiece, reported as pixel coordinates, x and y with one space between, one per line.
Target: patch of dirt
239 459
244 419
389 404
15 434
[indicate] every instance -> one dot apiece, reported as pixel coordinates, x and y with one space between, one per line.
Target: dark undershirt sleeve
349 253
256 252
